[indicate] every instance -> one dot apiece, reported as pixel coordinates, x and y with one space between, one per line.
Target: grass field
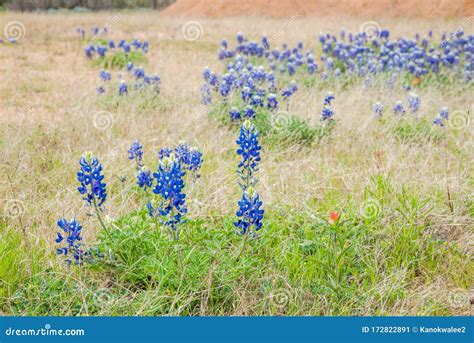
402 188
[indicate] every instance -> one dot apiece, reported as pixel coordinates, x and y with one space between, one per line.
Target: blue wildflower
272 102
189 157
413 102
206 94
398 108
250 213
327 113
164 152
123 88
438 121
234 113
249 112
378 109
249 150
105 75
444 113
136 153
101 50
328 98
171 206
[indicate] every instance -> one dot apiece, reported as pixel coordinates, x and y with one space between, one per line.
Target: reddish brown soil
289 8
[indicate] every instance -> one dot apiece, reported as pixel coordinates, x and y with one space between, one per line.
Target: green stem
97 211
243 245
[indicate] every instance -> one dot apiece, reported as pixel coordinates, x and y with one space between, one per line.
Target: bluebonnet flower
240 37
189 157
224 43
246 93
329 98
164 152
438 121
312 68
378 109
136 153
256 100
250 213
171 205
89 51
105 75
293 86
368 82
291 69
101 50
287 92
126 48
206 94
90 177
249 150
234 113
111 44
194 160
100 90
71 235
136 43
139 73
144 178
123 88
80 31
265 42
272 102
249 112
444 113
129 66
398 108
327 113
413 102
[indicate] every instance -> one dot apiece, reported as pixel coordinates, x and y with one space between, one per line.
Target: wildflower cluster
364 56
